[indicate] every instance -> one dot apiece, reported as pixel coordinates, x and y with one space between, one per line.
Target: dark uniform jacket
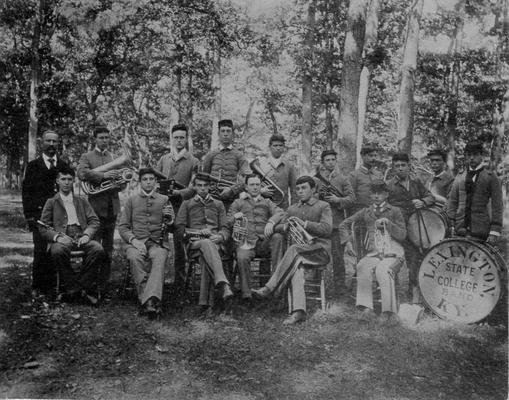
180 170
400 197
38 186
361 180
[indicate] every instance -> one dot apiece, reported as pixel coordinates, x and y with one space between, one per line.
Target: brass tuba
123 175
298 235
277 195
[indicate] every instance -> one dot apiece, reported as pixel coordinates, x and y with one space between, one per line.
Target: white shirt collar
229 147
275 162
247 196
103 152
66 198
147 194
177 155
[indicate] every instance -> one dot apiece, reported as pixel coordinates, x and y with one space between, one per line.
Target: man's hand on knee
140 246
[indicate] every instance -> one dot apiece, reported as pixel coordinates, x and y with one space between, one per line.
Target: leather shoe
150 308
227 292
262 293
296 317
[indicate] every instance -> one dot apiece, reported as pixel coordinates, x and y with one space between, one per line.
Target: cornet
298 235
167 220
277 193
385 246
239 232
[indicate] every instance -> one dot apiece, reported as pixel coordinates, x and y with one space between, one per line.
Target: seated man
384 224
69 223
315 217
261 240
142 227
207 216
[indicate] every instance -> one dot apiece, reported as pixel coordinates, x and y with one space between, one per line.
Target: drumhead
461 279
426 228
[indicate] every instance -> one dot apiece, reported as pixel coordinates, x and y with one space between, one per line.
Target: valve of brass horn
297 233
124 175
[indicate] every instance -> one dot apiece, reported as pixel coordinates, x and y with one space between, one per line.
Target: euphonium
298 235
123 175
277 193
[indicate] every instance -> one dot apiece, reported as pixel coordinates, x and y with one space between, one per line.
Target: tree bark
406 104
214 140
365 76
33 123
307 94
349 96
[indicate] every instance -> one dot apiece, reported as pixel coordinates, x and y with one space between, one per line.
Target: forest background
407 75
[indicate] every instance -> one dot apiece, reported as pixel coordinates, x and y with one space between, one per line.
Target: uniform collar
440 175
150 194
311 201
207 198
66 198
178 155
229 147
103 153
247 196
364 169
275 162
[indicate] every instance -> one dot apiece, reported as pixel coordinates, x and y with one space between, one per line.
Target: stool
193 274
314 286
259 268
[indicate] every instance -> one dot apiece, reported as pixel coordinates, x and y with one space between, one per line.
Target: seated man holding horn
68 223
384 226
144 222
202 221
309 223
252 219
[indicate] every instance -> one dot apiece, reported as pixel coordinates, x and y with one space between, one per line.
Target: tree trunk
370 42
214 140
406 103
349 96
307 94
33 123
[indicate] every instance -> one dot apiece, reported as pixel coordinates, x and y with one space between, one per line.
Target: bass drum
426 227
462 279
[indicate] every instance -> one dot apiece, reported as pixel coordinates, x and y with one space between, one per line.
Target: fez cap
202 177
100 128
438 152
368 149
277 138
306 179
225 122
473 148
400 157
179 127
328 152
378 186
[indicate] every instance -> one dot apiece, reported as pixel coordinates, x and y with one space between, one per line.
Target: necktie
51 163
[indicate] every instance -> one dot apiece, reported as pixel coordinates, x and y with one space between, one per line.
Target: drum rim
442 218
502 271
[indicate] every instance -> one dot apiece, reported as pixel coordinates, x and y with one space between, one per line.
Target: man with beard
38 186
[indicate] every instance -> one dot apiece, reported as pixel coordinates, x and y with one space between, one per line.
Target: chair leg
322 291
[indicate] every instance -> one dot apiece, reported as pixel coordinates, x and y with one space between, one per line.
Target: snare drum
462 279
427 227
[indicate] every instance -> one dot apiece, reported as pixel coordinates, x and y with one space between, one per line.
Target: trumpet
297 233
50 228
239 231
385 246
278 194
123 176
217 184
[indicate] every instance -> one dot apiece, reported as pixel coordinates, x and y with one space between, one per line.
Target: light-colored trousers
148 271
385 271
212 269
273 246
290 271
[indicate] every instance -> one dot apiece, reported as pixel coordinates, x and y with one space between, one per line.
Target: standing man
468 206
315 217
39 186
336 190
227 163
207 215
409 195
363 176
105 204
179 164
142 227
261 240
70 225
279 170
440 183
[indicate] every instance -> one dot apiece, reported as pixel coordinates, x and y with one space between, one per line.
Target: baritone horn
122 176
277 194
297 233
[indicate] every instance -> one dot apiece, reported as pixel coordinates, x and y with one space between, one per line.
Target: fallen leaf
31 364
162 349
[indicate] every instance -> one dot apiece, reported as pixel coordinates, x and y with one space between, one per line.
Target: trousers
273 246
148 271
290 271
385 271
212 269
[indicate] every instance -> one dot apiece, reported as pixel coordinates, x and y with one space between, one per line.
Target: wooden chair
314 286
260 271
76 261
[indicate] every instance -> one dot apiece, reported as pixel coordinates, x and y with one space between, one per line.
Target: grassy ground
74 351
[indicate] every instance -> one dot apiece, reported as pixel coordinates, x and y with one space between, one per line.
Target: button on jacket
228 163
198 213
181 170
258 213
400 197
142 217
284 176
361 180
